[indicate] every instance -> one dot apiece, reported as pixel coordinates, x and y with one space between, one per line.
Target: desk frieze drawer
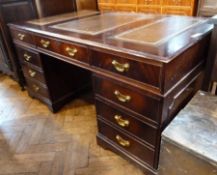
36 88
126 143
129 97
127 122
142 72
34 74
22 36
47 43
29 57
75 52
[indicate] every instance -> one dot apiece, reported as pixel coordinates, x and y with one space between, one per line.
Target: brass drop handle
36 88
71 51
27 57
121 97
32 73
122 142
44 43
120 121
120 67
21 36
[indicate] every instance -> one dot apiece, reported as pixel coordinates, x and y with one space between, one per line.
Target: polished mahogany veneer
144 69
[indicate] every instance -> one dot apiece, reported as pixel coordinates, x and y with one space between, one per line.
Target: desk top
156 37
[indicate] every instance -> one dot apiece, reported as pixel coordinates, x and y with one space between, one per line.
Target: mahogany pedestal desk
144 69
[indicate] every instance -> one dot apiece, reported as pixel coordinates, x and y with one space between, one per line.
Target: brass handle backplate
44 43
122 142
120 67
27 57
21 36
36 88
32 73
120 121
121 97
71 51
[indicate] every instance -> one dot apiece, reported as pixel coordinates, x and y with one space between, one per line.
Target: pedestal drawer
32 73
127 143
29 56
37 88
129 97
146 73
127 122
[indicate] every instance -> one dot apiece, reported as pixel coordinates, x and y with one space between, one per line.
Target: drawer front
126 1
178 2
36 88
29 56
106 7
128 97
125 121
47 43
33 74
127 143
75 52
142 72
22 36
150 9
149 2
177 11
127 8
106 1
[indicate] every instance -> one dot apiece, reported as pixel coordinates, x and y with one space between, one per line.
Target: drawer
150 9
106 7
29 56
106 1
177 11
149 2
128 97
126 143
178 2
36 88
146 73
31 73
75 52
126 1
127 122
22 36
47 43
127 8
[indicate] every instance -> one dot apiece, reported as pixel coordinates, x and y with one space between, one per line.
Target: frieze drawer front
75 52
34 74
128 123
128 97
29 57
145 73
47 43
128 144
22 36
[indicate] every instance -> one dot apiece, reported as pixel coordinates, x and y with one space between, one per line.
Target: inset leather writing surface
159 31
101 23
62 17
